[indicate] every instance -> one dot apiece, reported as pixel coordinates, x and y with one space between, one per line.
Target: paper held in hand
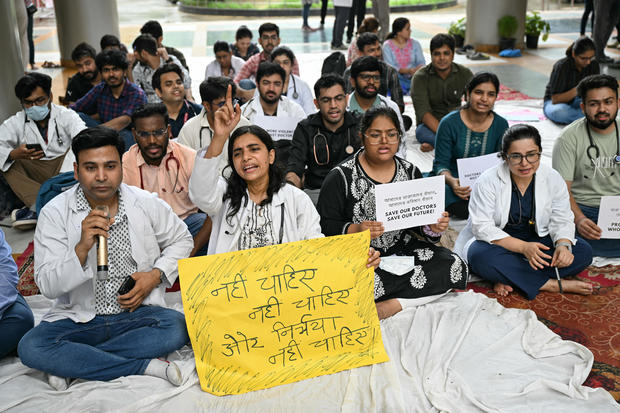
279 127
412 203
609 217
471 168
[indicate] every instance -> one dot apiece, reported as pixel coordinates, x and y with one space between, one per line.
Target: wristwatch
162 277
568 245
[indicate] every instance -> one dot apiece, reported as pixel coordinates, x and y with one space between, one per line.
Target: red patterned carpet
593 321
506 93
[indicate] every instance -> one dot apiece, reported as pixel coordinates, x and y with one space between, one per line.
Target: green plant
507 26
535 25
458 27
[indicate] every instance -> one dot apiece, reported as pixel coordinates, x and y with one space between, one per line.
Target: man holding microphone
105 325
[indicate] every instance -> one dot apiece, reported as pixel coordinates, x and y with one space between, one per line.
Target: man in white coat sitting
106 321
270 79
33 143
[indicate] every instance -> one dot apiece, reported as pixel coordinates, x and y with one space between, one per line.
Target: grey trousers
342 14
606 15
381 10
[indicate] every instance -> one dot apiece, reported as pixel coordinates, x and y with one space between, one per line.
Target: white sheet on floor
463 352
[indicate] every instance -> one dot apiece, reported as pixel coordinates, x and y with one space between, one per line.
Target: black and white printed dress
348 197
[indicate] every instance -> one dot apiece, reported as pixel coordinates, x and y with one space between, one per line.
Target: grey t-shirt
591 178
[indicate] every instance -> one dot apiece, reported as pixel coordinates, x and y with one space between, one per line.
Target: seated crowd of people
181 179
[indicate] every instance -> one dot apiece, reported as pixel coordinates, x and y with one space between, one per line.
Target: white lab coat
305 99
158 239
17 130
489 206
215 68
286 108
207 187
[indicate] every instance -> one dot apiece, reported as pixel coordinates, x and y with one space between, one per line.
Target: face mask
37 113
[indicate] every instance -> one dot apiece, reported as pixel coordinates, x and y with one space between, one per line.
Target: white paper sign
409 204
279 127
609 217
471 168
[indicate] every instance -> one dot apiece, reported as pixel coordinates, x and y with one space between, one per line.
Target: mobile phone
34 146
127 285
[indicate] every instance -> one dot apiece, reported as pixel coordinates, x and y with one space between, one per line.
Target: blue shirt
8 276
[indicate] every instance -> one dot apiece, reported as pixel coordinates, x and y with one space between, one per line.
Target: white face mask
37 113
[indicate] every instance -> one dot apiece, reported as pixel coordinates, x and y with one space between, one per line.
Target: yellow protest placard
268 316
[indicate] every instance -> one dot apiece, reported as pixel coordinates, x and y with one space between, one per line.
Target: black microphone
102 250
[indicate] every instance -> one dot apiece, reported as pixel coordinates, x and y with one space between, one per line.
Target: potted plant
457 30
534 26
507 27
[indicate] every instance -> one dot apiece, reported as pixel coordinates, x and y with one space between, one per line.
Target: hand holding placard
411 203
471 168
609 217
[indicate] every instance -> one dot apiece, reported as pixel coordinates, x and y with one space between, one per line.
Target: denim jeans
106 347
424 135
563 113
14 323
600 247
194 223
125 133
341 13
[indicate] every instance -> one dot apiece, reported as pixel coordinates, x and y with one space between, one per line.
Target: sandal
50 65
477 56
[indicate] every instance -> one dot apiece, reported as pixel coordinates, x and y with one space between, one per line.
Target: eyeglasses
366 78
222 103
375 136
40 101
327 99
156 133
273 38
517 158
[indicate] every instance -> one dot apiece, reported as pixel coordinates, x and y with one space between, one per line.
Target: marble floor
195 35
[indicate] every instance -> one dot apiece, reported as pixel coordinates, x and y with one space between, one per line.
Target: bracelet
568 245
428 231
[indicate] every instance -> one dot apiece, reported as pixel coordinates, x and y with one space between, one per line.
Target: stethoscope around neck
348 149
176 179
597 151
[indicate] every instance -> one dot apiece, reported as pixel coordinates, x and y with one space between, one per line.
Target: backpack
54 186
334 63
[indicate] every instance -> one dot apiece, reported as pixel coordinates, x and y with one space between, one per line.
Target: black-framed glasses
367 77
40 101
222 103
374 137
517 158
326 99
158 133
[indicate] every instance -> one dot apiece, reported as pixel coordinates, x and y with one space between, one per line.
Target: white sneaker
58 383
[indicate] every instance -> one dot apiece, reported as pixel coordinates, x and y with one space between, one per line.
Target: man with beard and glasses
112 101
270 102
159 165
33 143
269 39
366 74
323 139
87 76
437 89
168 84
587 155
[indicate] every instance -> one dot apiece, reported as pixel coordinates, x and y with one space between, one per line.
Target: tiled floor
195 35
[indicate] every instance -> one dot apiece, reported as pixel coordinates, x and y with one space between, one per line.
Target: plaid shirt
248 71
100 100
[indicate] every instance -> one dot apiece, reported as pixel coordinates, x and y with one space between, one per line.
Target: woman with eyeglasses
252 206
347 205
472 130
520 234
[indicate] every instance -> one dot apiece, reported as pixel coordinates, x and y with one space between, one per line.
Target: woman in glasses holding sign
520 232
253 206
473 130
347 205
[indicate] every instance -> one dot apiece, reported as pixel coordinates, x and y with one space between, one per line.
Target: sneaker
614 45
341 47
23 219
349 39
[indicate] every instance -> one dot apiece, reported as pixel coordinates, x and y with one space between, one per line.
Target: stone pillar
482 17
12 68
83 21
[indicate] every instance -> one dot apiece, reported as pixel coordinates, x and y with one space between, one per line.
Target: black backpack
334 63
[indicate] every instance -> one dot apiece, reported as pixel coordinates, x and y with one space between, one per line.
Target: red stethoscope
176 179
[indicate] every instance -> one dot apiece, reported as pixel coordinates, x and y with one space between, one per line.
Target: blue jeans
14 323
600 247
106 347
247 84
563 113
424 135
194 223
125 133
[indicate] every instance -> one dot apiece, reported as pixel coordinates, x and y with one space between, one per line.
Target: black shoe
604 59
349 39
